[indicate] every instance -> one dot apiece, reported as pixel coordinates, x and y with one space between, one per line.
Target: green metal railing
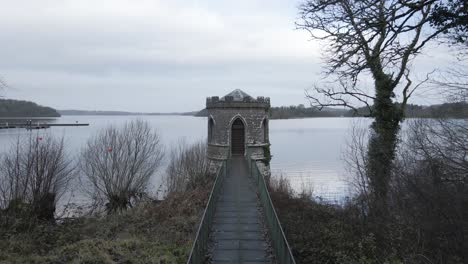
281 247
200 245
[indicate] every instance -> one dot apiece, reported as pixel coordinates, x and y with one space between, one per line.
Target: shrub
119 162
188 167
33 175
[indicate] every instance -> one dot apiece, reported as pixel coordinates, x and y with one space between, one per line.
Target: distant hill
84 112
451 110
16 108
116 113
300 111
203 112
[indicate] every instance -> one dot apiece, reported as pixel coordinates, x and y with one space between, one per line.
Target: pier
32 126
239 224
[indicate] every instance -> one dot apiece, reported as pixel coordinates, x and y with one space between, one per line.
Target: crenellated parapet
231 102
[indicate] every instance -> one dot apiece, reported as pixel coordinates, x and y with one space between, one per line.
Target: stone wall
217 151
228 102
253 113
223 117
264 170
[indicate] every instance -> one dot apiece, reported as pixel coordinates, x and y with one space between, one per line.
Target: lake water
306 151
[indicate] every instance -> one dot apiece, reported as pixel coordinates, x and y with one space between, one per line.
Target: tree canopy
452 15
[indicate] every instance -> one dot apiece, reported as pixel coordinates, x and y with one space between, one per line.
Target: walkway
237 235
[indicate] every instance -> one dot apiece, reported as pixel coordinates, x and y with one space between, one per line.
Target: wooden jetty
31 126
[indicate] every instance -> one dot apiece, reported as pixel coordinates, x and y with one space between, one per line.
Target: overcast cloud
158 56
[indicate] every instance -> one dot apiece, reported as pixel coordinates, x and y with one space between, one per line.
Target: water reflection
306 151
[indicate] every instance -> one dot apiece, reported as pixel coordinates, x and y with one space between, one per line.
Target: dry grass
151 233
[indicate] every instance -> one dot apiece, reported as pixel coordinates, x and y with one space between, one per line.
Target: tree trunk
381 152
44 208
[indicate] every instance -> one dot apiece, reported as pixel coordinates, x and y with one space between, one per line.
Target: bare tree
33 175
3 85
188 167
452 83
429 190
355 159
376 38
119 162
442 140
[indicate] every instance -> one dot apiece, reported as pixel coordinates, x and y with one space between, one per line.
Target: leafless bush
355 159
429 190
452 82
119 162
279 183
3 86
188 167
442 141
33 175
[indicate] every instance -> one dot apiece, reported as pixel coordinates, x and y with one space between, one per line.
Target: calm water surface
306 151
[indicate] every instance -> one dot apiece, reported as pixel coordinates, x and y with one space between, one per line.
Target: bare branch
33 176
119 162
343 97
378 37
188 167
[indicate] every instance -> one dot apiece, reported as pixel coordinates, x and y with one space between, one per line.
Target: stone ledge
218 145
258 145
257 157
234 104
216 158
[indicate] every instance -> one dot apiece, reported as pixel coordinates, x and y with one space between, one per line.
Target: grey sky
158 56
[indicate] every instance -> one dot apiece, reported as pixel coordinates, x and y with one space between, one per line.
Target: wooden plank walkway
238 235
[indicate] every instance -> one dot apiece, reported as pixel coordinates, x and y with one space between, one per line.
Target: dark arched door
237 137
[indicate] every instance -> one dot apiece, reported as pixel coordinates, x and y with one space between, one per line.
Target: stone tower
238 125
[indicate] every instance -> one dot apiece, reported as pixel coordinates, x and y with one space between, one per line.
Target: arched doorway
238 137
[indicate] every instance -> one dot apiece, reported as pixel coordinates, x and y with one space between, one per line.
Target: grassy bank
150 233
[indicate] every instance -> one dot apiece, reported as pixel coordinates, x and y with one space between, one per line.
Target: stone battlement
229 102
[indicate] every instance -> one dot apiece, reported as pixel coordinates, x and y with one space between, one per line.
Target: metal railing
280 244
200 245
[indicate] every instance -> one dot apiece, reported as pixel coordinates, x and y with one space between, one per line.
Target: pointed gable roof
237 95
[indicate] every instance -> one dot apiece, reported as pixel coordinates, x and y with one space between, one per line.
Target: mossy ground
150 233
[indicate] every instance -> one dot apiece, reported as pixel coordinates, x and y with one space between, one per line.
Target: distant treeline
300 111
115 113
16 108
452 110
